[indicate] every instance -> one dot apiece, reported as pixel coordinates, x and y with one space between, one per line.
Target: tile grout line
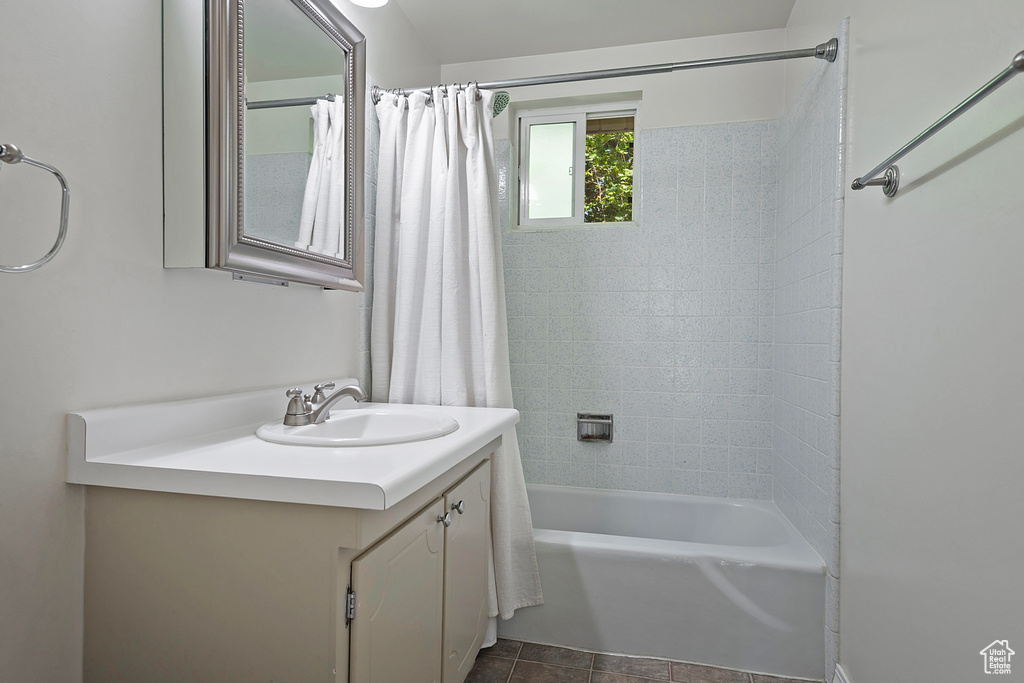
516 662
591 670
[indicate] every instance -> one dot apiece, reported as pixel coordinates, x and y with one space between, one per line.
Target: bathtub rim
796 553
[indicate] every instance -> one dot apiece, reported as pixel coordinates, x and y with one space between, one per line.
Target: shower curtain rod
826 51
293 102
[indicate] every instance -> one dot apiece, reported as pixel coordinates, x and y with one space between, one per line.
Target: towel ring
12 155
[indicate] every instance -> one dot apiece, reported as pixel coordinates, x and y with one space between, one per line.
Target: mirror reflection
294 130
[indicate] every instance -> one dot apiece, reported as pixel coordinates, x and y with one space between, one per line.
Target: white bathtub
709 580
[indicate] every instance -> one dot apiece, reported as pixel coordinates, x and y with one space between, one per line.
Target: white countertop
207 447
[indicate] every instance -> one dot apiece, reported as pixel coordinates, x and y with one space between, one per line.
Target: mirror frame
228 247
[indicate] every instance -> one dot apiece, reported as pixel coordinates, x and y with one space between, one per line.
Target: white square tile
714 484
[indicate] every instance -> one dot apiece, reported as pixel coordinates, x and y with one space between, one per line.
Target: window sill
577 226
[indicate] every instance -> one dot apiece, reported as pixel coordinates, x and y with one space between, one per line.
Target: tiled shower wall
667 325
808 276
274 186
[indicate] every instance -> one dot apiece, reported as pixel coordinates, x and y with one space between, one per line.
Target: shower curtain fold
439 332
323 203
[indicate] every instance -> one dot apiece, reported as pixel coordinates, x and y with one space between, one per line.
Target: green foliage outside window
608 186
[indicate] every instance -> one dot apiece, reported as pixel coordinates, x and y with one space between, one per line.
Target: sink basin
365 424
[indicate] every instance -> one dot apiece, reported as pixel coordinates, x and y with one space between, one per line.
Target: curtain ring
476 84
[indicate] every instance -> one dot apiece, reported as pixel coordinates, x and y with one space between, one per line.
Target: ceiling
476 30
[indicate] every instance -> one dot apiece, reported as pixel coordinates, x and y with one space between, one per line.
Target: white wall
683 98
104 324
932 373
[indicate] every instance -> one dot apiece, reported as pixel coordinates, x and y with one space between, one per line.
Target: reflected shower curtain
323 204
439 334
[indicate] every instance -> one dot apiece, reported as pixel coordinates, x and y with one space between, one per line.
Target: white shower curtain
439 334
323 204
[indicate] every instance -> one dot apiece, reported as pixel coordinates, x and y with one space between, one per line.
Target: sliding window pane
550 171
608 187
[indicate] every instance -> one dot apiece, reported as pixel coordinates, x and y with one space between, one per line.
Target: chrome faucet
303 410
322 407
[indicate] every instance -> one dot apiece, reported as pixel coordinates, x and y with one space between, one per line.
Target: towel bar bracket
890 182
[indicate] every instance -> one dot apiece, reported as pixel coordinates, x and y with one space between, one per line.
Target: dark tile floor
510 661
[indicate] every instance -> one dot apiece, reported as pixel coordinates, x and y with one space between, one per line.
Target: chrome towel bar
890 182
12 155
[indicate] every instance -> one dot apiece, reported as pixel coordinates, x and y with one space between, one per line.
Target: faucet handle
298 411
318 391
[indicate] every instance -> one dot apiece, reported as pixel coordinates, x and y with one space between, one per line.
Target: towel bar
890 182
12 155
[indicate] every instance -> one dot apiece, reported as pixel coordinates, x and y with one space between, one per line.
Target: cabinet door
466 572
396 629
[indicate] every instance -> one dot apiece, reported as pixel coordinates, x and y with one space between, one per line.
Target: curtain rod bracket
827 51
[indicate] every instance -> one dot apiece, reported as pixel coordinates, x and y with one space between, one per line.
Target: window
576 166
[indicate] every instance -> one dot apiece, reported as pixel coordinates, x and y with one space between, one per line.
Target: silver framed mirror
273 67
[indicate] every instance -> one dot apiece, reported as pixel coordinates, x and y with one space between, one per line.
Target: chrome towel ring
12 155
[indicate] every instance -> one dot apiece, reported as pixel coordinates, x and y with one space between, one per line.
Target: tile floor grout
554 659
590 671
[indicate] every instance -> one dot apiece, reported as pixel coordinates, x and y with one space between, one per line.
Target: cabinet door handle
446 520
459 507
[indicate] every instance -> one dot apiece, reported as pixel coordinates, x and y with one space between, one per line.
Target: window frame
578 115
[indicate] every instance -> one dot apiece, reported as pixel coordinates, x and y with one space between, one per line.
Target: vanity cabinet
206 589
466 551
398 593
420 595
